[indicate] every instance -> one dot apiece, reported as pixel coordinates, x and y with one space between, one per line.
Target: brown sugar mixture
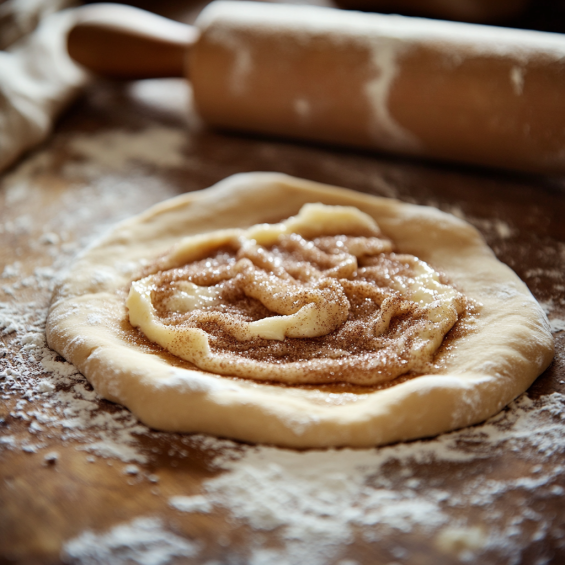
299 310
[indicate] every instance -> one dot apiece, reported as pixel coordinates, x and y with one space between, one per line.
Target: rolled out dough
479 374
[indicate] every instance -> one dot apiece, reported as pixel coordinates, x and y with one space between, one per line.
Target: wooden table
507 498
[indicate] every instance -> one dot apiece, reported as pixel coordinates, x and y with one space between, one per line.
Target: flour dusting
320 500
314 503
158 146
45 391
384 128
143 541
196 503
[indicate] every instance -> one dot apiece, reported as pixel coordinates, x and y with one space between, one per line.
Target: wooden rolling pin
445 90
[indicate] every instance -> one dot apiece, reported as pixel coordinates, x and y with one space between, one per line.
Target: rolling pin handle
123 42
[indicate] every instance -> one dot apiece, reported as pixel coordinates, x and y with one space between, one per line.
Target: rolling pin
443 90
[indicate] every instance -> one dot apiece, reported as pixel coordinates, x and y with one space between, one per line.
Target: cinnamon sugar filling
298 304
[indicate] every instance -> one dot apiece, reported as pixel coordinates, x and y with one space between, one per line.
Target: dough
506 343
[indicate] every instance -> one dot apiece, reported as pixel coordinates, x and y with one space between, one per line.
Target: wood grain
44 505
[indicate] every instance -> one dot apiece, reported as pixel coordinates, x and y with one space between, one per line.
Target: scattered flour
197 503
557 325
51 458
316 502
143 541
53 393
319 501
118 149
491 226
50 393
131 470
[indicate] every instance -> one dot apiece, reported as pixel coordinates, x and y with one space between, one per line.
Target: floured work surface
82 479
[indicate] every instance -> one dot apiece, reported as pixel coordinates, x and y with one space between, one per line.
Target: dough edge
489 369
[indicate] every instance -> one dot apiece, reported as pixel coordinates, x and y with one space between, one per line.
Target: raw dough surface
475 376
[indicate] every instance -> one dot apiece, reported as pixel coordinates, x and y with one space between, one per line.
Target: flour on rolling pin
447 90
237 31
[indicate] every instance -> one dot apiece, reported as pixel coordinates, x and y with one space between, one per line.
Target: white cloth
37 81
19 18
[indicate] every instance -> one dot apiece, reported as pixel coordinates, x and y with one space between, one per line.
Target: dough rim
485 374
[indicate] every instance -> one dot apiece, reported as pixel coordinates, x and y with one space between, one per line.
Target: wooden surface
54 191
